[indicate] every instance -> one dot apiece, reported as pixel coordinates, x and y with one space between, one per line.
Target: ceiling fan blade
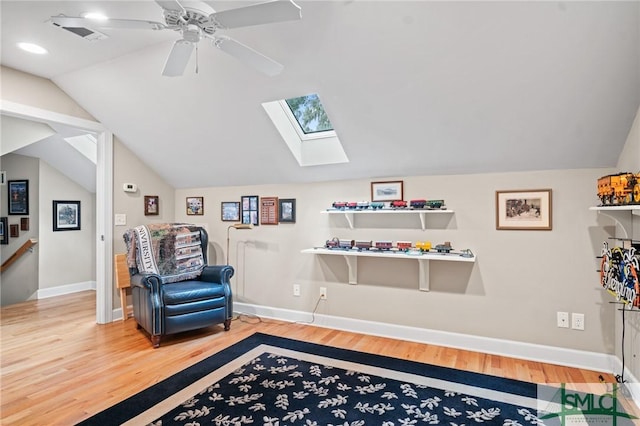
171 5
249 56
258 14
178 58
132 24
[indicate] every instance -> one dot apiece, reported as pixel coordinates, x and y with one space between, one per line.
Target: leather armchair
161 307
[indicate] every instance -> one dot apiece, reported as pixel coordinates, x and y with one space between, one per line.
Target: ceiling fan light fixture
32 48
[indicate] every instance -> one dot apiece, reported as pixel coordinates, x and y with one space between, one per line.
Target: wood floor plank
59 367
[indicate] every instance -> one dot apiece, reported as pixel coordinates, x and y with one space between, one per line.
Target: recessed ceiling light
96 16
32 48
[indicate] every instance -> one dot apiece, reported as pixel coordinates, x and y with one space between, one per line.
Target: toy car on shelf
403 245
423 245
398 204
619 189
444 247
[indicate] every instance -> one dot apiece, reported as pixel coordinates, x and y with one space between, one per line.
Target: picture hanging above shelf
350 214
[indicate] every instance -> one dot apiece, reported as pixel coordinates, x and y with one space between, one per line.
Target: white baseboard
529 351
117 314
44 293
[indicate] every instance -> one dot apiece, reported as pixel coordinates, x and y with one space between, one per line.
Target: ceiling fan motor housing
191 17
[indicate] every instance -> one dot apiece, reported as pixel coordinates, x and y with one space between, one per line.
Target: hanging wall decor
523 210
195 206
287 210
151 205
18 197
249 204
4 231
66 215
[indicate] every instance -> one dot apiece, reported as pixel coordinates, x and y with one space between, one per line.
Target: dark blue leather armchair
162 308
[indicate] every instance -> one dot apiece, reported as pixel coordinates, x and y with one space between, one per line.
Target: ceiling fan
198 20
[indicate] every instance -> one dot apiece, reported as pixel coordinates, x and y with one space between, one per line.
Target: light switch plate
120 219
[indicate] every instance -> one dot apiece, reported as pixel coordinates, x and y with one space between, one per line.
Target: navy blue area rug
275 381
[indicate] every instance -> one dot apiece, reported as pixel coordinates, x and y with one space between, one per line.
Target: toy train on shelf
387 245
398 204
619 189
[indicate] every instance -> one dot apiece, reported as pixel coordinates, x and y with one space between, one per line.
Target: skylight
305 127
309 114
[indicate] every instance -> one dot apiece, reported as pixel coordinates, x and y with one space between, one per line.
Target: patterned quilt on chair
171 250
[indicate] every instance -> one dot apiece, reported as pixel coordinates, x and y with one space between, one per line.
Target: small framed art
287 210
524 210
18 197
14 230
195 206
387 191
230 211
4 231
249 204
269 210
24 223
151 206
66 215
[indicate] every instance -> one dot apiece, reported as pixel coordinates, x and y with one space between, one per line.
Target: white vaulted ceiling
412 88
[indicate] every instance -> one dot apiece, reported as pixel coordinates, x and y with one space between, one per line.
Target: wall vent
85 33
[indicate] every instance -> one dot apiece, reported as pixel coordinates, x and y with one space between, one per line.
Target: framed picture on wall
387 191
195 206
4 231
18 197
230 211
269 210
287 210
151 207
249 204
523 210
66 215
14 230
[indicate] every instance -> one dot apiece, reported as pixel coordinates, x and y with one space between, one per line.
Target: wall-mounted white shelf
351 214
351 258
622 215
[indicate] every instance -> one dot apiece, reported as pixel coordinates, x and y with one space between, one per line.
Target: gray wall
130 169
20 281
66 257
513 291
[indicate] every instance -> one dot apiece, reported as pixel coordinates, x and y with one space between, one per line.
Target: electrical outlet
563 319
577 321
296 290
323 293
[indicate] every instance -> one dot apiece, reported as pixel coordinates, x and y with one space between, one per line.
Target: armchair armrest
149 282
217 274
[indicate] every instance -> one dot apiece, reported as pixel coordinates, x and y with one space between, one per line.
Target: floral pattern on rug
273 390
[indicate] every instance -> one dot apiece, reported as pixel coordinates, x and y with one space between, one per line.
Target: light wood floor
59 367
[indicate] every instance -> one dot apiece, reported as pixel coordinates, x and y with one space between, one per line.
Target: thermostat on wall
130 187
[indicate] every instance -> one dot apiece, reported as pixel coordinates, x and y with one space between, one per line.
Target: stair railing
27 246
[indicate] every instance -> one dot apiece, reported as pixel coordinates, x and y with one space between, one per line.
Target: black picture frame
4 231
18 192
287 210
249 209
230 211
66 215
